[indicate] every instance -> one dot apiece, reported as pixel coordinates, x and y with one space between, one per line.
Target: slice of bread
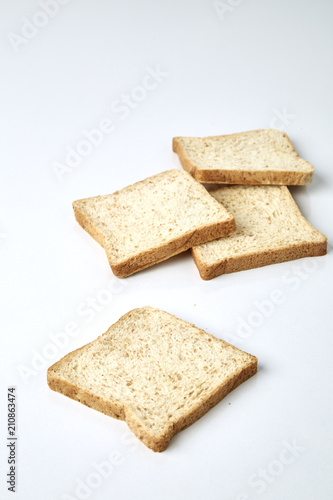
270 229
153 370
152 220
257 157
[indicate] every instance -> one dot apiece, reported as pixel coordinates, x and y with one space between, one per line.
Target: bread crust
253 260
157 254
155 441
251 177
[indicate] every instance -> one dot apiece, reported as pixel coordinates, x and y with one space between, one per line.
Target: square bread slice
257 157
152 220
153 370
270 229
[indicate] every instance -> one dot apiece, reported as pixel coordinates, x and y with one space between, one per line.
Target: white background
222 73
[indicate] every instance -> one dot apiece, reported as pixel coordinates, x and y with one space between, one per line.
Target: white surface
224 75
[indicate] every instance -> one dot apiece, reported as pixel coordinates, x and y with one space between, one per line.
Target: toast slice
270 229
153 370
152 220
257 157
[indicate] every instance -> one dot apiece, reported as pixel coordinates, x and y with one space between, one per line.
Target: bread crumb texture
152 220
264 156
157 372
269 228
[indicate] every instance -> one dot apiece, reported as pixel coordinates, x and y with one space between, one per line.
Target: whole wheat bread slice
152 220
153 370
257 157
270 229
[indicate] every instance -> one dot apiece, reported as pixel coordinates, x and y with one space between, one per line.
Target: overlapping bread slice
256 157
152 220
269 229
153 370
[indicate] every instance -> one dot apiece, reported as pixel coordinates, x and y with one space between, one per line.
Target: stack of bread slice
250 222
257 165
